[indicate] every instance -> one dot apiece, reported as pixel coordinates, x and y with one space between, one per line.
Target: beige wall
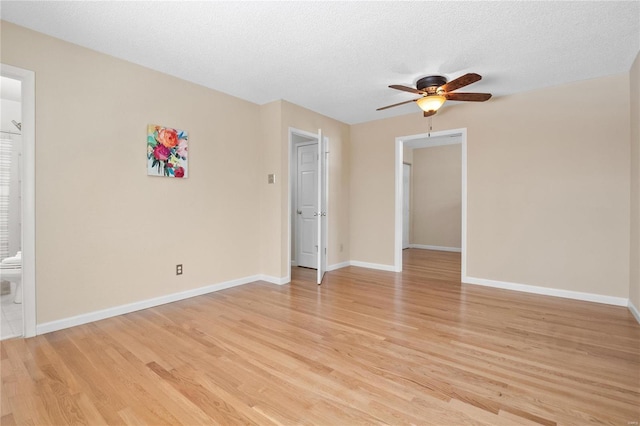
269 213
634 283
548 186
108 234
437 196
371 214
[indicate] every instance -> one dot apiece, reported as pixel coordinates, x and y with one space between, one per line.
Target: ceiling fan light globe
431 102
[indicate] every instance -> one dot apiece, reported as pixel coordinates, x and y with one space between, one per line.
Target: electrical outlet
271 178
179 269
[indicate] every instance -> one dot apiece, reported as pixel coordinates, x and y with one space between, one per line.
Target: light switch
271 178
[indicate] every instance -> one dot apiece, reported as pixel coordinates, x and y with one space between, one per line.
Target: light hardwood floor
366 347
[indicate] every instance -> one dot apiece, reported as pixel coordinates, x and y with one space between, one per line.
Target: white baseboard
378 266
338 266
275 280
439 248
294 263
567 294
634 311
48 327
157 301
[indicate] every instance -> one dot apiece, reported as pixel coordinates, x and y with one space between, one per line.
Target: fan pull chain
430 127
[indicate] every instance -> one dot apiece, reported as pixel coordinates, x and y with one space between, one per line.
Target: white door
322 204
307 206
406 204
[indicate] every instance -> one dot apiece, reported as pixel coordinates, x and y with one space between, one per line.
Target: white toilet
11 270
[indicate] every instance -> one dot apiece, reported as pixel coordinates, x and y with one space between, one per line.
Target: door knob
299 211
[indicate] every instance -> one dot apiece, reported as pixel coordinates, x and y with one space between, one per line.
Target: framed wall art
167 152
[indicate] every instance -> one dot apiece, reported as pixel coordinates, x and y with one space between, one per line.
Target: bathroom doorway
17 202
11 324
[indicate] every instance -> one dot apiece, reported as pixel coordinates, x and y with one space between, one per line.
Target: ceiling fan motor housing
435 90
431 83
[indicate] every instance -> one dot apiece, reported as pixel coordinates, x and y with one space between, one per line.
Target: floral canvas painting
167 152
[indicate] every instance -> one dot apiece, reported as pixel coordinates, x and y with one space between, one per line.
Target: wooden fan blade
473 97
407 89
399 103
461 82
429 113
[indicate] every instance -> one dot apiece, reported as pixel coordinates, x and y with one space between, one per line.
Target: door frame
291 132
323 205
400 140
28 103
403 199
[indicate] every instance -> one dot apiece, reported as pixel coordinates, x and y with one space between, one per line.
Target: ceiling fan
435 90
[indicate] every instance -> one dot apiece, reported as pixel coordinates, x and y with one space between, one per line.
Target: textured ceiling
337 58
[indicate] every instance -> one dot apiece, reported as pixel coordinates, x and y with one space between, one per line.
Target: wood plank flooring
366 347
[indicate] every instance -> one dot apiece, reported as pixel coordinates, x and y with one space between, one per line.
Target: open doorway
20 143
10 209
308 183
431 207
